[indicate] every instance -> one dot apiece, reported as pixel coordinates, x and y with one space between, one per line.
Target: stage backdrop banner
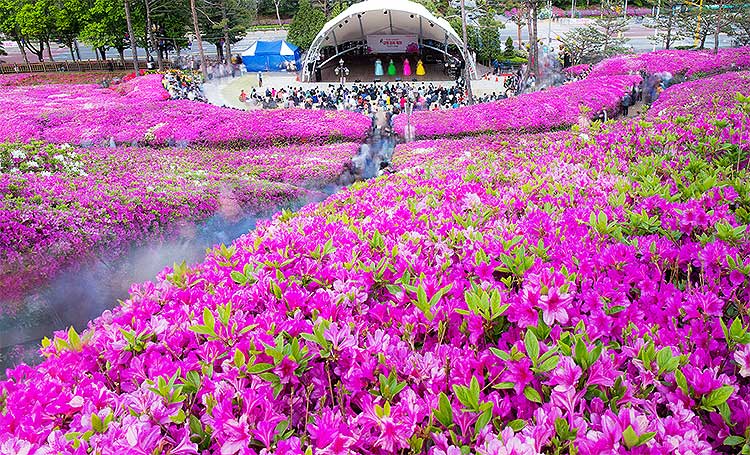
392 44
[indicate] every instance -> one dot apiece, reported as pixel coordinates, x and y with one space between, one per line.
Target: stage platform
365 72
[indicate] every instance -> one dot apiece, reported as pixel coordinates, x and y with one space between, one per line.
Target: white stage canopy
382 17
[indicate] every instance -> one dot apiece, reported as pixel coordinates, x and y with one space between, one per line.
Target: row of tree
159 26
674 21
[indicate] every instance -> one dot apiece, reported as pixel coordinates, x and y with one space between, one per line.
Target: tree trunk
78 51
668 43
23 52
467 57
225 27
718 27
132 36
121 51
278 16
519 34
103 50
39 53
150 32
194 12
49 51
72 52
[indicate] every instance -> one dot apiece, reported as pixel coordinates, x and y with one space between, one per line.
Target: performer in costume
420 68
391 68
378 68
407 67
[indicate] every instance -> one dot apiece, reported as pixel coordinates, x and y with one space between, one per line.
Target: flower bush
62 204
578 71
26 79
578 295
139 111
691 63
712 94
556 108
13 79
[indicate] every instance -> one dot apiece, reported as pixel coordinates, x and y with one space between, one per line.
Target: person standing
260 79
627 101
420 68
407 67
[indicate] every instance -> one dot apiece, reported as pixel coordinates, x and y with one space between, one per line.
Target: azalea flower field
139 112
519 285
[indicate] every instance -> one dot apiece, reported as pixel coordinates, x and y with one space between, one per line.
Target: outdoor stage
363 69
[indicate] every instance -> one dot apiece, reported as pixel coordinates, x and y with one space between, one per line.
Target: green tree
510 51
9 24
306 24
105 27
37 23
740 28
671 24
225 22
597 41
68 19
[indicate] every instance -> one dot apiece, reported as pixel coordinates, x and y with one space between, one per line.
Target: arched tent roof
384 17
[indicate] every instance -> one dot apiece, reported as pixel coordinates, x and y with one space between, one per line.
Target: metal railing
73 66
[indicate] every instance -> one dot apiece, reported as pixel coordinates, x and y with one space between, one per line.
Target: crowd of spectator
363 97
184 85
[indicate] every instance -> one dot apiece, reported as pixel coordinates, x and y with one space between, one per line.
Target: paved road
637 33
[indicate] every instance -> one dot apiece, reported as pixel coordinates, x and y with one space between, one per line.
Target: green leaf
562 428
581 354
733 440
238 277
645 437
718 396
444 412
532 395
532 345
504 385
209 320
629 437
259 368
483 420
549 364
517 425
239 358
96 423
74 340
681 381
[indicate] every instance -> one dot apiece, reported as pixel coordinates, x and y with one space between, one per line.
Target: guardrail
76 66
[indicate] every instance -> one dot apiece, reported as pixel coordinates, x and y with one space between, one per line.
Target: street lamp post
549 25
467 57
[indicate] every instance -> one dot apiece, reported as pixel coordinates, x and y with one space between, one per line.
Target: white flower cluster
31 159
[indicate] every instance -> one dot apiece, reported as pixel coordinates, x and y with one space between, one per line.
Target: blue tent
270 56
